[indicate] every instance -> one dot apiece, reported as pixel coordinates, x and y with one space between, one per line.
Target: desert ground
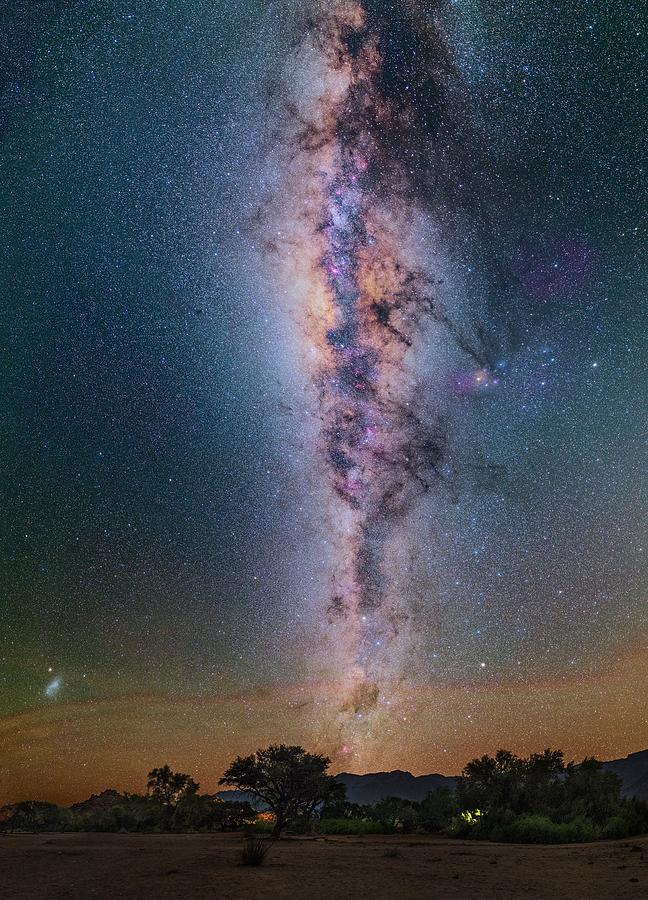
193 867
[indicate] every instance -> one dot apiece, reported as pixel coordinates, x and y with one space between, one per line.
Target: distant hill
104 800
633 772
369 788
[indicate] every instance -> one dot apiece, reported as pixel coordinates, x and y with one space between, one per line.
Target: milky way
368 159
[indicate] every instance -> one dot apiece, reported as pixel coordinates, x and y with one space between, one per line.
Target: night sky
316 319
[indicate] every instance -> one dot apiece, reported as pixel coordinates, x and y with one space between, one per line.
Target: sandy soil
193 867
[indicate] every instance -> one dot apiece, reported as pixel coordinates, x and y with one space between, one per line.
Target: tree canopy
286 779
170 787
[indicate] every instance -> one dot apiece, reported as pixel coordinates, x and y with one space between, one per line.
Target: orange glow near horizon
66 752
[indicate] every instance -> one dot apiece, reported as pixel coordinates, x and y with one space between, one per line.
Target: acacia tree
288 780
543 781
492 782
170 787
591 791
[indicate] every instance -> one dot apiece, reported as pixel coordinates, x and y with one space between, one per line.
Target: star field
166 549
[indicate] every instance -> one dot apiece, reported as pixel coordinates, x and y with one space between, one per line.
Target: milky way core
365 153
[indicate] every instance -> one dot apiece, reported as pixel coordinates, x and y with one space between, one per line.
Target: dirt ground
194 867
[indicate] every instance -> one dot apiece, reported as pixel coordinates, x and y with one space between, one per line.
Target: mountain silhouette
368 789
374 786
633 772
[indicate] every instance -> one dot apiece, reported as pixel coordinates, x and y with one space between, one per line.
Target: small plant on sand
254 850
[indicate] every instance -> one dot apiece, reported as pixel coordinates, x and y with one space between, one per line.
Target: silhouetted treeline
507 798
129 813
537 799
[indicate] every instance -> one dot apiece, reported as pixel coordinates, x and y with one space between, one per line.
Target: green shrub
631 820
582 829
396 814
475 824
438 809
616 827
541 830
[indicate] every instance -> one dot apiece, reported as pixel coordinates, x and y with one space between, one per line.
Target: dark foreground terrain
192 867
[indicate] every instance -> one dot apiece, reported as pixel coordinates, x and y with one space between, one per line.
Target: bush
134 814
541 830
475 824
438 810
616 827
632 820
35 816
352 826
396 814
254 850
